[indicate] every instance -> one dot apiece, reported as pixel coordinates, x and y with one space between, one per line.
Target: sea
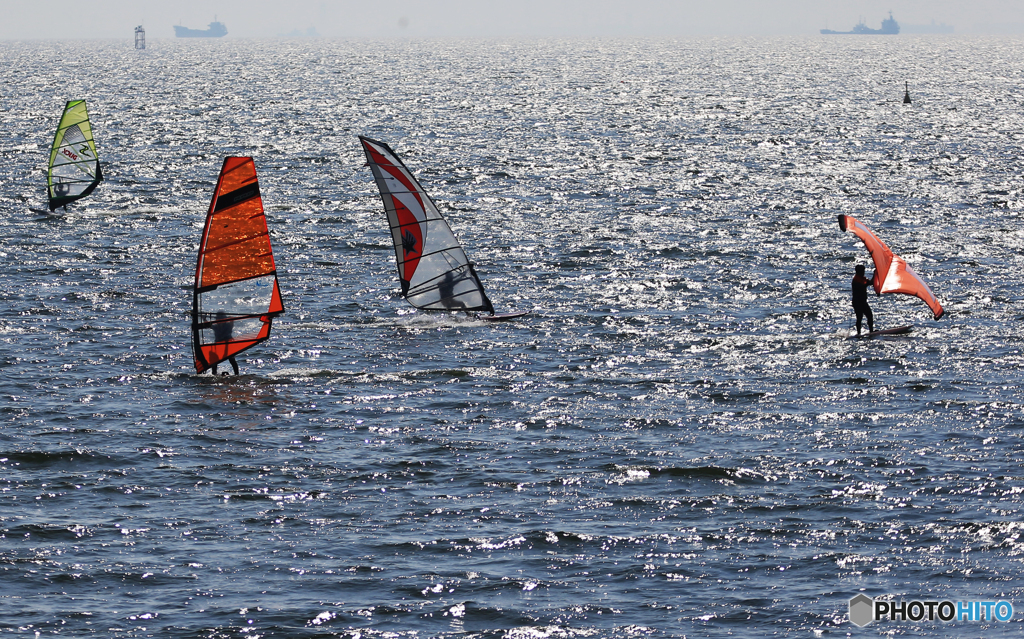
678 440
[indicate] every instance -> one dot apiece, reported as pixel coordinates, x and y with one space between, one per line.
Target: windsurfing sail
892 273
74 169
236 293
433 270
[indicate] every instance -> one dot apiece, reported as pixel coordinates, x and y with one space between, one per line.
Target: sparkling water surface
679 440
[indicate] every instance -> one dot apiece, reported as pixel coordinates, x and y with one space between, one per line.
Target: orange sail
892 273
236 293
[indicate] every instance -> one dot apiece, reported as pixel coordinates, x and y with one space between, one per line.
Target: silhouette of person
446 288
859 290
222 333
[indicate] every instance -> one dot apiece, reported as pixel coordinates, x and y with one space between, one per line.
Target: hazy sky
58 19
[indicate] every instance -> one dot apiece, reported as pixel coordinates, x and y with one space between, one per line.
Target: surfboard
900 330
501 317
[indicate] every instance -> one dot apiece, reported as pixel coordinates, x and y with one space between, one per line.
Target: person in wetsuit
222 333
446 289
860 299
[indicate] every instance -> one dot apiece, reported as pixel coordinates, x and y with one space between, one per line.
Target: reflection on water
679 439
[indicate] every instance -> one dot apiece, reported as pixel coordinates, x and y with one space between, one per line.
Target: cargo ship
889 27
216 30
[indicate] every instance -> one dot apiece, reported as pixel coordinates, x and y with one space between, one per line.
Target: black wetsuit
222 333
860 302
446 289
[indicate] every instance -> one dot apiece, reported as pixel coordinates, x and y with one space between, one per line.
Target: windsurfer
446 289
222 333
234 366
860 299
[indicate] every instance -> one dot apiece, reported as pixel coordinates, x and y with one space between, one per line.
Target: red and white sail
892 273
433 270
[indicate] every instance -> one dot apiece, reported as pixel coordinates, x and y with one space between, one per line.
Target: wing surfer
860 299
222 333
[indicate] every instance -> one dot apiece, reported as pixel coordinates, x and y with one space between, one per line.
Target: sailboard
74 168
433 270
892 273
236 294
899 330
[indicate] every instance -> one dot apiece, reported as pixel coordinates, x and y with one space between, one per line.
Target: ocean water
679 440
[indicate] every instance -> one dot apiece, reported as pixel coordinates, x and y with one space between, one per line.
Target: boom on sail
892 273
236 294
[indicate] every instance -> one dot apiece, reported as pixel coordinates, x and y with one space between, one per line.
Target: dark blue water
679 440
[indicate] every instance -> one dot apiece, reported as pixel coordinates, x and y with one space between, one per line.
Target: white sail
433 270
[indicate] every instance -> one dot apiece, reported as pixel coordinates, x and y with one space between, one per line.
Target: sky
64 19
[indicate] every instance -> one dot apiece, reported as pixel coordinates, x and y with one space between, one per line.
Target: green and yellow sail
74 169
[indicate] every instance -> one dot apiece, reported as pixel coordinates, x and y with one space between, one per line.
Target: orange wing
892 273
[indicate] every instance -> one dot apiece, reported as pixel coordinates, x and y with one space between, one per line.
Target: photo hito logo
864 610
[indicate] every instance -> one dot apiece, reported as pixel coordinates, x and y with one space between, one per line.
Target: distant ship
889 27
216 30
